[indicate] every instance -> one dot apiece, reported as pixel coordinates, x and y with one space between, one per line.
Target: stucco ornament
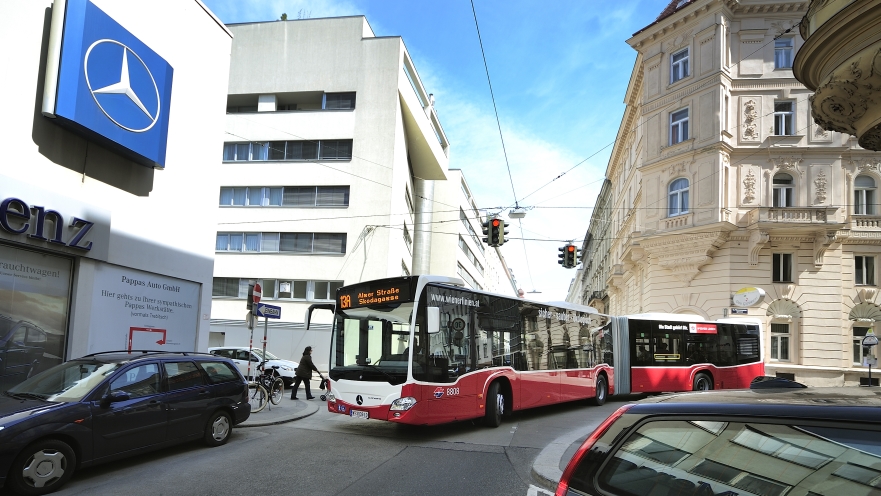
849 100
750 121
867 164
749 187
820 185
788 163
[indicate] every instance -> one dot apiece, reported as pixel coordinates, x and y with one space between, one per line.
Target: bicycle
257 397
273 384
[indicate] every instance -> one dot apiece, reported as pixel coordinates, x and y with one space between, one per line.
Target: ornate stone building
720 180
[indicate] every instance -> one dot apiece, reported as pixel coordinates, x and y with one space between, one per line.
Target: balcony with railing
865 223
794 217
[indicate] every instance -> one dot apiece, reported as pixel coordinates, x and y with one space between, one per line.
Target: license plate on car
358 414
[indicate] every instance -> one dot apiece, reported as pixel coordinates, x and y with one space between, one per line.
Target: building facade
720 181
99 252
332 168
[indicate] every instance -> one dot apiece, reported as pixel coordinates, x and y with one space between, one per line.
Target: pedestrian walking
304 374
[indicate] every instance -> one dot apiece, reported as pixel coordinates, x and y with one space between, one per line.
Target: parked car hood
15 407
282 363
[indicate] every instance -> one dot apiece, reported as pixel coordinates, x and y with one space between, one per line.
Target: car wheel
702 382
218 429
602 391
495 406
42 467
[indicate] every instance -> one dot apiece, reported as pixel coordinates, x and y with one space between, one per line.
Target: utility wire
495 108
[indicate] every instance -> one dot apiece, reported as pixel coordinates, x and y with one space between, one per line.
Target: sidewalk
289 410
550 463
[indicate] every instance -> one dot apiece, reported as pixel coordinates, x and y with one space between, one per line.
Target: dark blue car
103 406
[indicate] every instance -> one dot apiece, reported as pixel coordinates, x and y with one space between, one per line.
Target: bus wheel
495 406
602 391
702 382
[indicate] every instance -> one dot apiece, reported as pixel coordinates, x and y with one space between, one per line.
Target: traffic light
486 232
250 302
568 256
497 232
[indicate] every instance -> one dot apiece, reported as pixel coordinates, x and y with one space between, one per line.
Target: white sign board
137 310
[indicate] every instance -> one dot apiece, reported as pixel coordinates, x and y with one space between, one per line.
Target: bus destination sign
375 294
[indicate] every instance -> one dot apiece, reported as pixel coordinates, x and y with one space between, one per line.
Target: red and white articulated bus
673 352
426 350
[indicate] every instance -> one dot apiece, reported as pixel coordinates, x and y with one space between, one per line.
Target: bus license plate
358 414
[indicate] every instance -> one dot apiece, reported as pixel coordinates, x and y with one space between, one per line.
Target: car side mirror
432 314
114 397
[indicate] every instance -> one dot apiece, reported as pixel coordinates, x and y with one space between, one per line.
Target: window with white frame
284 196
288 151
409 200
470 254
678 126
780 342
784 118
783 52
467 223
859 351
677 197
864 195
781 267
468 278
407 239
273 242
782 190
679 65
864 270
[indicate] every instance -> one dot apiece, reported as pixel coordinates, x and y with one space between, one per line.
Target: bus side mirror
433 316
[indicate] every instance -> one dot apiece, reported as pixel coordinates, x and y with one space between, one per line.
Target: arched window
678 197
783 190
864 195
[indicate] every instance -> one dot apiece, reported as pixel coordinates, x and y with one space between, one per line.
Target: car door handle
203 392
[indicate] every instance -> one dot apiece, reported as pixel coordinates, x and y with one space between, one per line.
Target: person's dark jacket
305 368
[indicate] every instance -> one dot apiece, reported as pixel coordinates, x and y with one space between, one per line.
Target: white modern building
97 251
332 170
720 181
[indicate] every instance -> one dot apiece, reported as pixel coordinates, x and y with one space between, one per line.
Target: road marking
537 491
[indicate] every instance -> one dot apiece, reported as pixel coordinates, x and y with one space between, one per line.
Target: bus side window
668 347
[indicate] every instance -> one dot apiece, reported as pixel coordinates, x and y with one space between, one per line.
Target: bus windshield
371 343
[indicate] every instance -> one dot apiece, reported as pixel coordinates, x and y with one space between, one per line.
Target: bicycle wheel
257 397
277 391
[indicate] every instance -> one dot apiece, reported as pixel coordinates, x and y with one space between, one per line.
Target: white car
239 355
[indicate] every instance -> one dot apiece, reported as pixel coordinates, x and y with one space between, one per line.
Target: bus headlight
403 404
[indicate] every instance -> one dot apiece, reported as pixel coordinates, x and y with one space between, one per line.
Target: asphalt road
328 454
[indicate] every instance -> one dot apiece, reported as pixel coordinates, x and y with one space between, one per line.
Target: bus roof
681 317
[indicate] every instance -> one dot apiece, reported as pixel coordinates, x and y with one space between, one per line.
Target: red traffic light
571 248
496 222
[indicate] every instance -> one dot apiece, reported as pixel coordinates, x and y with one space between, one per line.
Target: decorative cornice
649 107
684 254
789 163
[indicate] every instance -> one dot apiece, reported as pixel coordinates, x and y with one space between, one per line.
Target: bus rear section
685 353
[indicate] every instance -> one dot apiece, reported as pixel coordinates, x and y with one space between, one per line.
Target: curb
546 468
280 421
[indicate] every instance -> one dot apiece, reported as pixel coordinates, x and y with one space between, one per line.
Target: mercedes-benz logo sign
122 111
359 400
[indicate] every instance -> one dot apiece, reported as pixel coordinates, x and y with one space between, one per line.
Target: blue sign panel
111 86
268 311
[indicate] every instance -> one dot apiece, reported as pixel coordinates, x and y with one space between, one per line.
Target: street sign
268 311
739 311
258 292
871 339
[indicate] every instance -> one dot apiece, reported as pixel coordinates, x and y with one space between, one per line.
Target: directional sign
268 311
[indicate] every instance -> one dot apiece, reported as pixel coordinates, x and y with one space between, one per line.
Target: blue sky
559 71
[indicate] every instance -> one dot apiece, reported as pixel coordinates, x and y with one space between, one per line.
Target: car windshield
70 381
259 353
